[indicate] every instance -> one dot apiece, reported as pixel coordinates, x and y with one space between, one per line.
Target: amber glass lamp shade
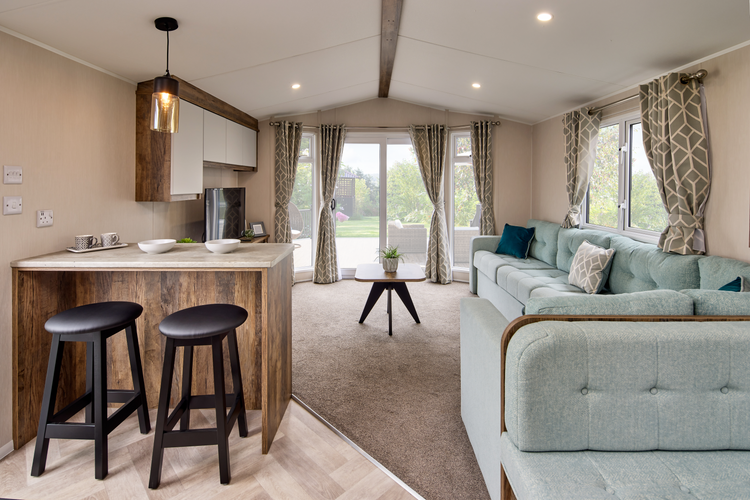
165 105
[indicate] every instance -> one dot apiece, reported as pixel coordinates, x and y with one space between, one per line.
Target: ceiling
250 52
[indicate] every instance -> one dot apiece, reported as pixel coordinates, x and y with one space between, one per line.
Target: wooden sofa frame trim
506 492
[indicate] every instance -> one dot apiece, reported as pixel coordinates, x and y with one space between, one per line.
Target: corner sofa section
509 283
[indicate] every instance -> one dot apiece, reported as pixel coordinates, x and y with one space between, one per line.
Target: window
302 219
466 207
623 195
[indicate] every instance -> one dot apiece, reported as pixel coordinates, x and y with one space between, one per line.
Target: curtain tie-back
686 221
278 205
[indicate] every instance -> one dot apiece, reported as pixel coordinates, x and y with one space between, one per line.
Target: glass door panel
466 212
357 211
301 214
409 209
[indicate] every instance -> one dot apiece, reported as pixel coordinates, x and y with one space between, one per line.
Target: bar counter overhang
256 277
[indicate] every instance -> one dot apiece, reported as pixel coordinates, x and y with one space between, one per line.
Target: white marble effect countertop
182 255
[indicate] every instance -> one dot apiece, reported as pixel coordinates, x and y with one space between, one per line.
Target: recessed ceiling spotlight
544 16
296 86
475 85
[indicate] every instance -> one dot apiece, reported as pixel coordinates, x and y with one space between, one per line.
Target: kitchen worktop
182 255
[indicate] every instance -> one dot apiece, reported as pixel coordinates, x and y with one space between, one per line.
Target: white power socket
43 218
12 205
12 175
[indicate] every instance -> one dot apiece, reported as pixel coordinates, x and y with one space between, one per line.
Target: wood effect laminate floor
307 461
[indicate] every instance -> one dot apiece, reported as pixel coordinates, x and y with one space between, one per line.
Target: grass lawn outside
366 227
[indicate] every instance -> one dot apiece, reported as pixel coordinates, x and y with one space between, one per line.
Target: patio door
379 200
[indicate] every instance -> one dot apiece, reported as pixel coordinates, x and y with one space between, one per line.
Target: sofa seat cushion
589 475
719 303
653 302
522 283
488 263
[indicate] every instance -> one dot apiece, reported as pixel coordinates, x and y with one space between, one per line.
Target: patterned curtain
581 133
675 137
481 159
430 143
288 140
331 146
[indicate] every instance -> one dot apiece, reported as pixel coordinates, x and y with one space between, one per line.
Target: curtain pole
421 127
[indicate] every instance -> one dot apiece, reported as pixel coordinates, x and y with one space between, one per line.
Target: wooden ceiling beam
390 20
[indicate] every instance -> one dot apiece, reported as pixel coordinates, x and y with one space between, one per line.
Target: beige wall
72 129
511 154
729 123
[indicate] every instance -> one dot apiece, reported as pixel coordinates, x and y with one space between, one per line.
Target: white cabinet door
235 138
187 151
249 147
214 137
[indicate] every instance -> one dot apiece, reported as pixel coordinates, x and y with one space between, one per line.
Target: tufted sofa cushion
629 386
568 241
488 263
718 271
637 267
544 245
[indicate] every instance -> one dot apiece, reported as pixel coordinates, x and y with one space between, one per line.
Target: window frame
450 186
624 174
311 159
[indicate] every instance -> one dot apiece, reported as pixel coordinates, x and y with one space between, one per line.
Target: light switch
12 205
12 175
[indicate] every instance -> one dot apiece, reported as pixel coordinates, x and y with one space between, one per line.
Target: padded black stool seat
200 325
93 324
203 321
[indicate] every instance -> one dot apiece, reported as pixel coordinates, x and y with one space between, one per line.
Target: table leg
375 292
403 292
390 315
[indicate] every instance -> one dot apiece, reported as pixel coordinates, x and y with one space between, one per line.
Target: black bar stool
200 325
94 324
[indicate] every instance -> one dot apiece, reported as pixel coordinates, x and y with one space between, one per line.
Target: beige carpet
399 397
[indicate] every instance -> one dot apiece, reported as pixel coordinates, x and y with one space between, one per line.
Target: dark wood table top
375 273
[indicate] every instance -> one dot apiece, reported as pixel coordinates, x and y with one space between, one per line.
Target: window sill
642 236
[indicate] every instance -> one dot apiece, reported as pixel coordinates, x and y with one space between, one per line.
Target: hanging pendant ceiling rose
165 102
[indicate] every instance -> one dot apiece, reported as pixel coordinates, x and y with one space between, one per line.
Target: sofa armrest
488 243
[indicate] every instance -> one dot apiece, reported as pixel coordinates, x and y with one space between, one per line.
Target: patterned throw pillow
590 267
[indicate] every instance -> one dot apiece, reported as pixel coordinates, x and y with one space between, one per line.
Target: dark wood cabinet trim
204 100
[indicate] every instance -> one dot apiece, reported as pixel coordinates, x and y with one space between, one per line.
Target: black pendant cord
167 74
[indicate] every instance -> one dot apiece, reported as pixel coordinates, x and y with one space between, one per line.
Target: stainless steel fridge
224 211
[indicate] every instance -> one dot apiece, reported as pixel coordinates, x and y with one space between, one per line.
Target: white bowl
222 246
156 246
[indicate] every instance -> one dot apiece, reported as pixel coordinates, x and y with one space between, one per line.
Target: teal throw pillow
737 285
516 241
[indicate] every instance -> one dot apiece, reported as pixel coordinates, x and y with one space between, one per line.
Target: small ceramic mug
110 239
85 241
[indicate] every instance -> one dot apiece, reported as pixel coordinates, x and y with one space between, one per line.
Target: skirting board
6 449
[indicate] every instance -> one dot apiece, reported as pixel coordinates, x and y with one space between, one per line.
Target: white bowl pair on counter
215 246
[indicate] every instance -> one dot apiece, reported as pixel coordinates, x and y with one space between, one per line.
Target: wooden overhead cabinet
169 167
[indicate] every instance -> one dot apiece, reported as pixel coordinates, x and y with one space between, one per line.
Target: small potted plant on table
390 259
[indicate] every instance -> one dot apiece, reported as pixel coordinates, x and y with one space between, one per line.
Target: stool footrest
123 412
73 408
120 395
196 437
69 431
208 401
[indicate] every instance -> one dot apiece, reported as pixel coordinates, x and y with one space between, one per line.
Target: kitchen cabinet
169 167
228 143
187 152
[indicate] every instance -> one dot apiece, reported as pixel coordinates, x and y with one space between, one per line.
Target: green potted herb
186 240
390 259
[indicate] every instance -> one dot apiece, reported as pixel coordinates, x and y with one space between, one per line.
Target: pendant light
165 101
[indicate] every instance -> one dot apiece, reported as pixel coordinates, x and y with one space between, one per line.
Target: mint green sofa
630 408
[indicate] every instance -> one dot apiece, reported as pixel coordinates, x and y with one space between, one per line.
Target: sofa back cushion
637 267
629 386
544 243
718 271
568 241
653 302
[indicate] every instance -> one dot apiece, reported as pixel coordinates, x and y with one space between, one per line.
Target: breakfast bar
255 277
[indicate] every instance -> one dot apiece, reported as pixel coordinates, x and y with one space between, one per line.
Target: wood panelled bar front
256 277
